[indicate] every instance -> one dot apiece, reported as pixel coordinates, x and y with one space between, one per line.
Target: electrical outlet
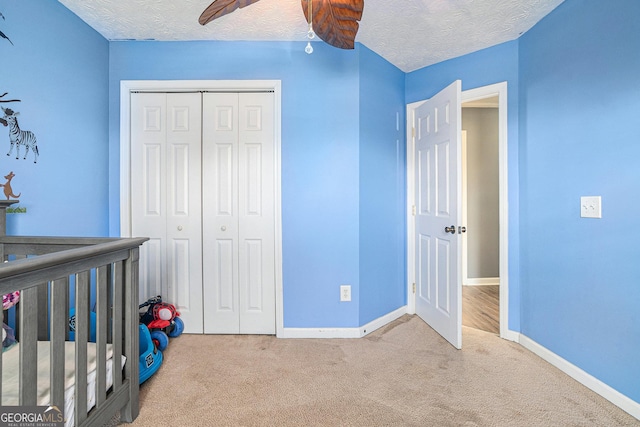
590 207
345 292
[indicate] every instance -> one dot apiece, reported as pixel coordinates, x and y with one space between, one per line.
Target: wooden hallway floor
481 307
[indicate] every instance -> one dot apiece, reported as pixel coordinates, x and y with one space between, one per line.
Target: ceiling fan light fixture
310 34
335 21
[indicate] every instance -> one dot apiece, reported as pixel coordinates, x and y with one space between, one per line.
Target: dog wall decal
8 191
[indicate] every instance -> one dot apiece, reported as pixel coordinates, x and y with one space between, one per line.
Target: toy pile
159 322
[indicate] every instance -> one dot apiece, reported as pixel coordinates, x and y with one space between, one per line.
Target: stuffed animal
8 337
9 300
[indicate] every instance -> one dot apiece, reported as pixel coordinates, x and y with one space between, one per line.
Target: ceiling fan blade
220 8
335 21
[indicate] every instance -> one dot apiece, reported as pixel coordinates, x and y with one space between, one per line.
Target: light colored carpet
401 375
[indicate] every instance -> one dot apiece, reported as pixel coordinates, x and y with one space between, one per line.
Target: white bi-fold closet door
166 143
202 189
238 213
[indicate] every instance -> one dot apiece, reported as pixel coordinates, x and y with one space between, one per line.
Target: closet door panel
224 177
151 267
256 213
180 252
254 255
225 267
148 183
220 212
184 225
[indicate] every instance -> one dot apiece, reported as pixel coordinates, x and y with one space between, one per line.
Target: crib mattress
10 364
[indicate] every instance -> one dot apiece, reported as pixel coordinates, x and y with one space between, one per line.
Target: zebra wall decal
19 137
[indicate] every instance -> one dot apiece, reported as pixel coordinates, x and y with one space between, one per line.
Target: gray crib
54 275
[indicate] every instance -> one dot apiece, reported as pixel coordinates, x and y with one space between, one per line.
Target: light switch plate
591 207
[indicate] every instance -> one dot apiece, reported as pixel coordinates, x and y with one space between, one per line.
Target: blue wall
485 67
321 143
58 67
382 187
580 105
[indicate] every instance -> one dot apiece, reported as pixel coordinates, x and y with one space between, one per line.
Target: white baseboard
481 281
510 335
343 332
382 321
589 381
320 333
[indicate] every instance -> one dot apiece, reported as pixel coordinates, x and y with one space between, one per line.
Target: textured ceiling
410 34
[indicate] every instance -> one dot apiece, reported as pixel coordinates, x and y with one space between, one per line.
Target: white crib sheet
10 363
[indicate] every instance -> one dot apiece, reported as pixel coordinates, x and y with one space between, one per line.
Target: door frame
499 89
275 86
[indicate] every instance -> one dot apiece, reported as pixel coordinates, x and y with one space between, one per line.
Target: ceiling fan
334 21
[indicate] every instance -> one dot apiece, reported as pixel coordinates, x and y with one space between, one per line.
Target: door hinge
413 132
413 210
414 287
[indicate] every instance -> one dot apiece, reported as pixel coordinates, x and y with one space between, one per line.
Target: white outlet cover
591 207
345 293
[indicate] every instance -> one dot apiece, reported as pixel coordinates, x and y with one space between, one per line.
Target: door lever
451 229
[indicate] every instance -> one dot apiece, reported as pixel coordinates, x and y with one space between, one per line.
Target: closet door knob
223 228
179 228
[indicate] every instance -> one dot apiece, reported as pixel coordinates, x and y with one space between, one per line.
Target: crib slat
81 337
43 315
58 327
110 303
67 297
101 335
132 337
16 317
28 347
117 323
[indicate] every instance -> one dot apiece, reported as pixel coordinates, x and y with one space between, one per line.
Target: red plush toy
163 321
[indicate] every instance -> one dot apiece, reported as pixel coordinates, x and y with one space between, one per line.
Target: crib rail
54 274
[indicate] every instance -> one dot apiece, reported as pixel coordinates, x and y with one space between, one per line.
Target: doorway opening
480 212
499 91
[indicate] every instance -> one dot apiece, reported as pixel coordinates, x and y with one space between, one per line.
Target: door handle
451 229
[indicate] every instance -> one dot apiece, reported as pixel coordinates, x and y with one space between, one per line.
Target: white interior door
239 213
438 214
166 199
